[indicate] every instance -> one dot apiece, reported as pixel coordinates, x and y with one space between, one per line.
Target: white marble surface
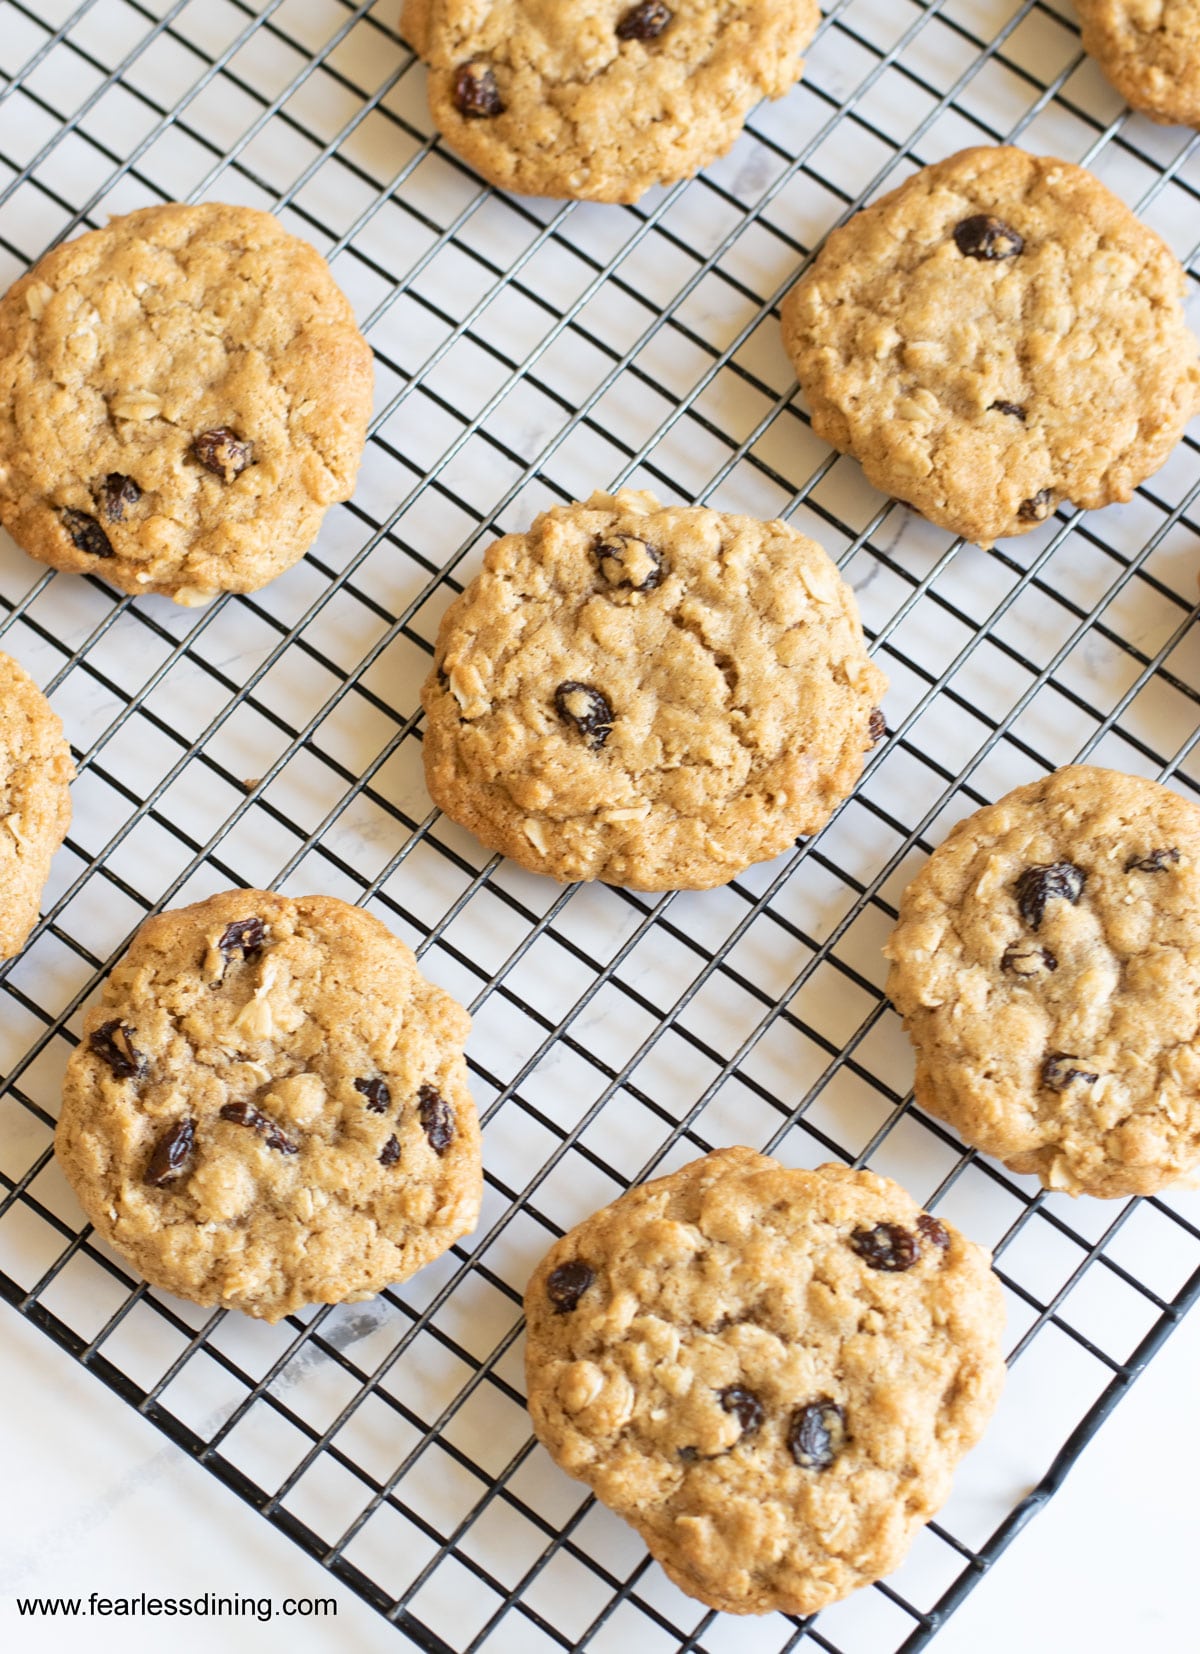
95 1499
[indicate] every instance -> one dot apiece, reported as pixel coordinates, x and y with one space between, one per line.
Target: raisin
1058 1071
1155 862
1013 408
745 1405
1045 882
1023 959
242 1114
390 1152
877 728
630 564
476 94
377 1094
817 1434
245 936
245 1114
171 1154
985 237
223 452
117 492
86 533
114 1042
437 1119
887 1246
1038 507
567 1285
645 22
934 1232
587 709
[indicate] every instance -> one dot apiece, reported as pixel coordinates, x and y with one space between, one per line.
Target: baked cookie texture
269 1106
770 1373
182 395
1150 50
1047 966
653 696
545 97
35 801
995 337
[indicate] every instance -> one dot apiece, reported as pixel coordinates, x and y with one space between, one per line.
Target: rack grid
528 352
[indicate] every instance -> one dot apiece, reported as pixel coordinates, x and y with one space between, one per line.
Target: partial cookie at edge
1046 963
35 800
604 107
1151 56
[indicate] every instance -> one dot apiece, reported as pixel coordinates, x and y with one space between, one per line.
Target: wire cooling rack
526 353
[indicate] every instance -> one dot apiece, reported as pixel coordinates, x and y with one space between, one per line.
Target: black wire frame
335 50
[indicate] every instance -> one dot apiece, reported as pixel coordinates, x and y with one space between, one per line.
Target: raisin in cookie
269 1106
1150 50
995 337
35 800
770 1373
598 103
1047 966
654 696
182 395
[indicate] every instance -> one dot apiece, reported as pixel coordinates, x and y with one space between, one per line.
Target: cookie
998 336
1150 50
35 801
1047 966
653 696
182 395
542 100
770 1373
269 1106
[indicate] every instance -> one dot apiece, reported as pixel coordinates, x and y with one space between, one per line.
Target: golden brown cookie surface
544 97
653 696
998 336
1047 966
35 801
1150 50
770 1373
183 394
269 1107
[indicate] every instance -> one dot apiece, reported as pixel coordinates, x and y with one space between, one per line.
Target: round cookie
770 1373
654 696
182 395
1047 966
35 800
1150 50
269 1106
995 337
541 100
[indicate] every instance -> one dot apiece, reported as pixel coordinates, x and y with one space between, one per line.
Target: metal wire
527 352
